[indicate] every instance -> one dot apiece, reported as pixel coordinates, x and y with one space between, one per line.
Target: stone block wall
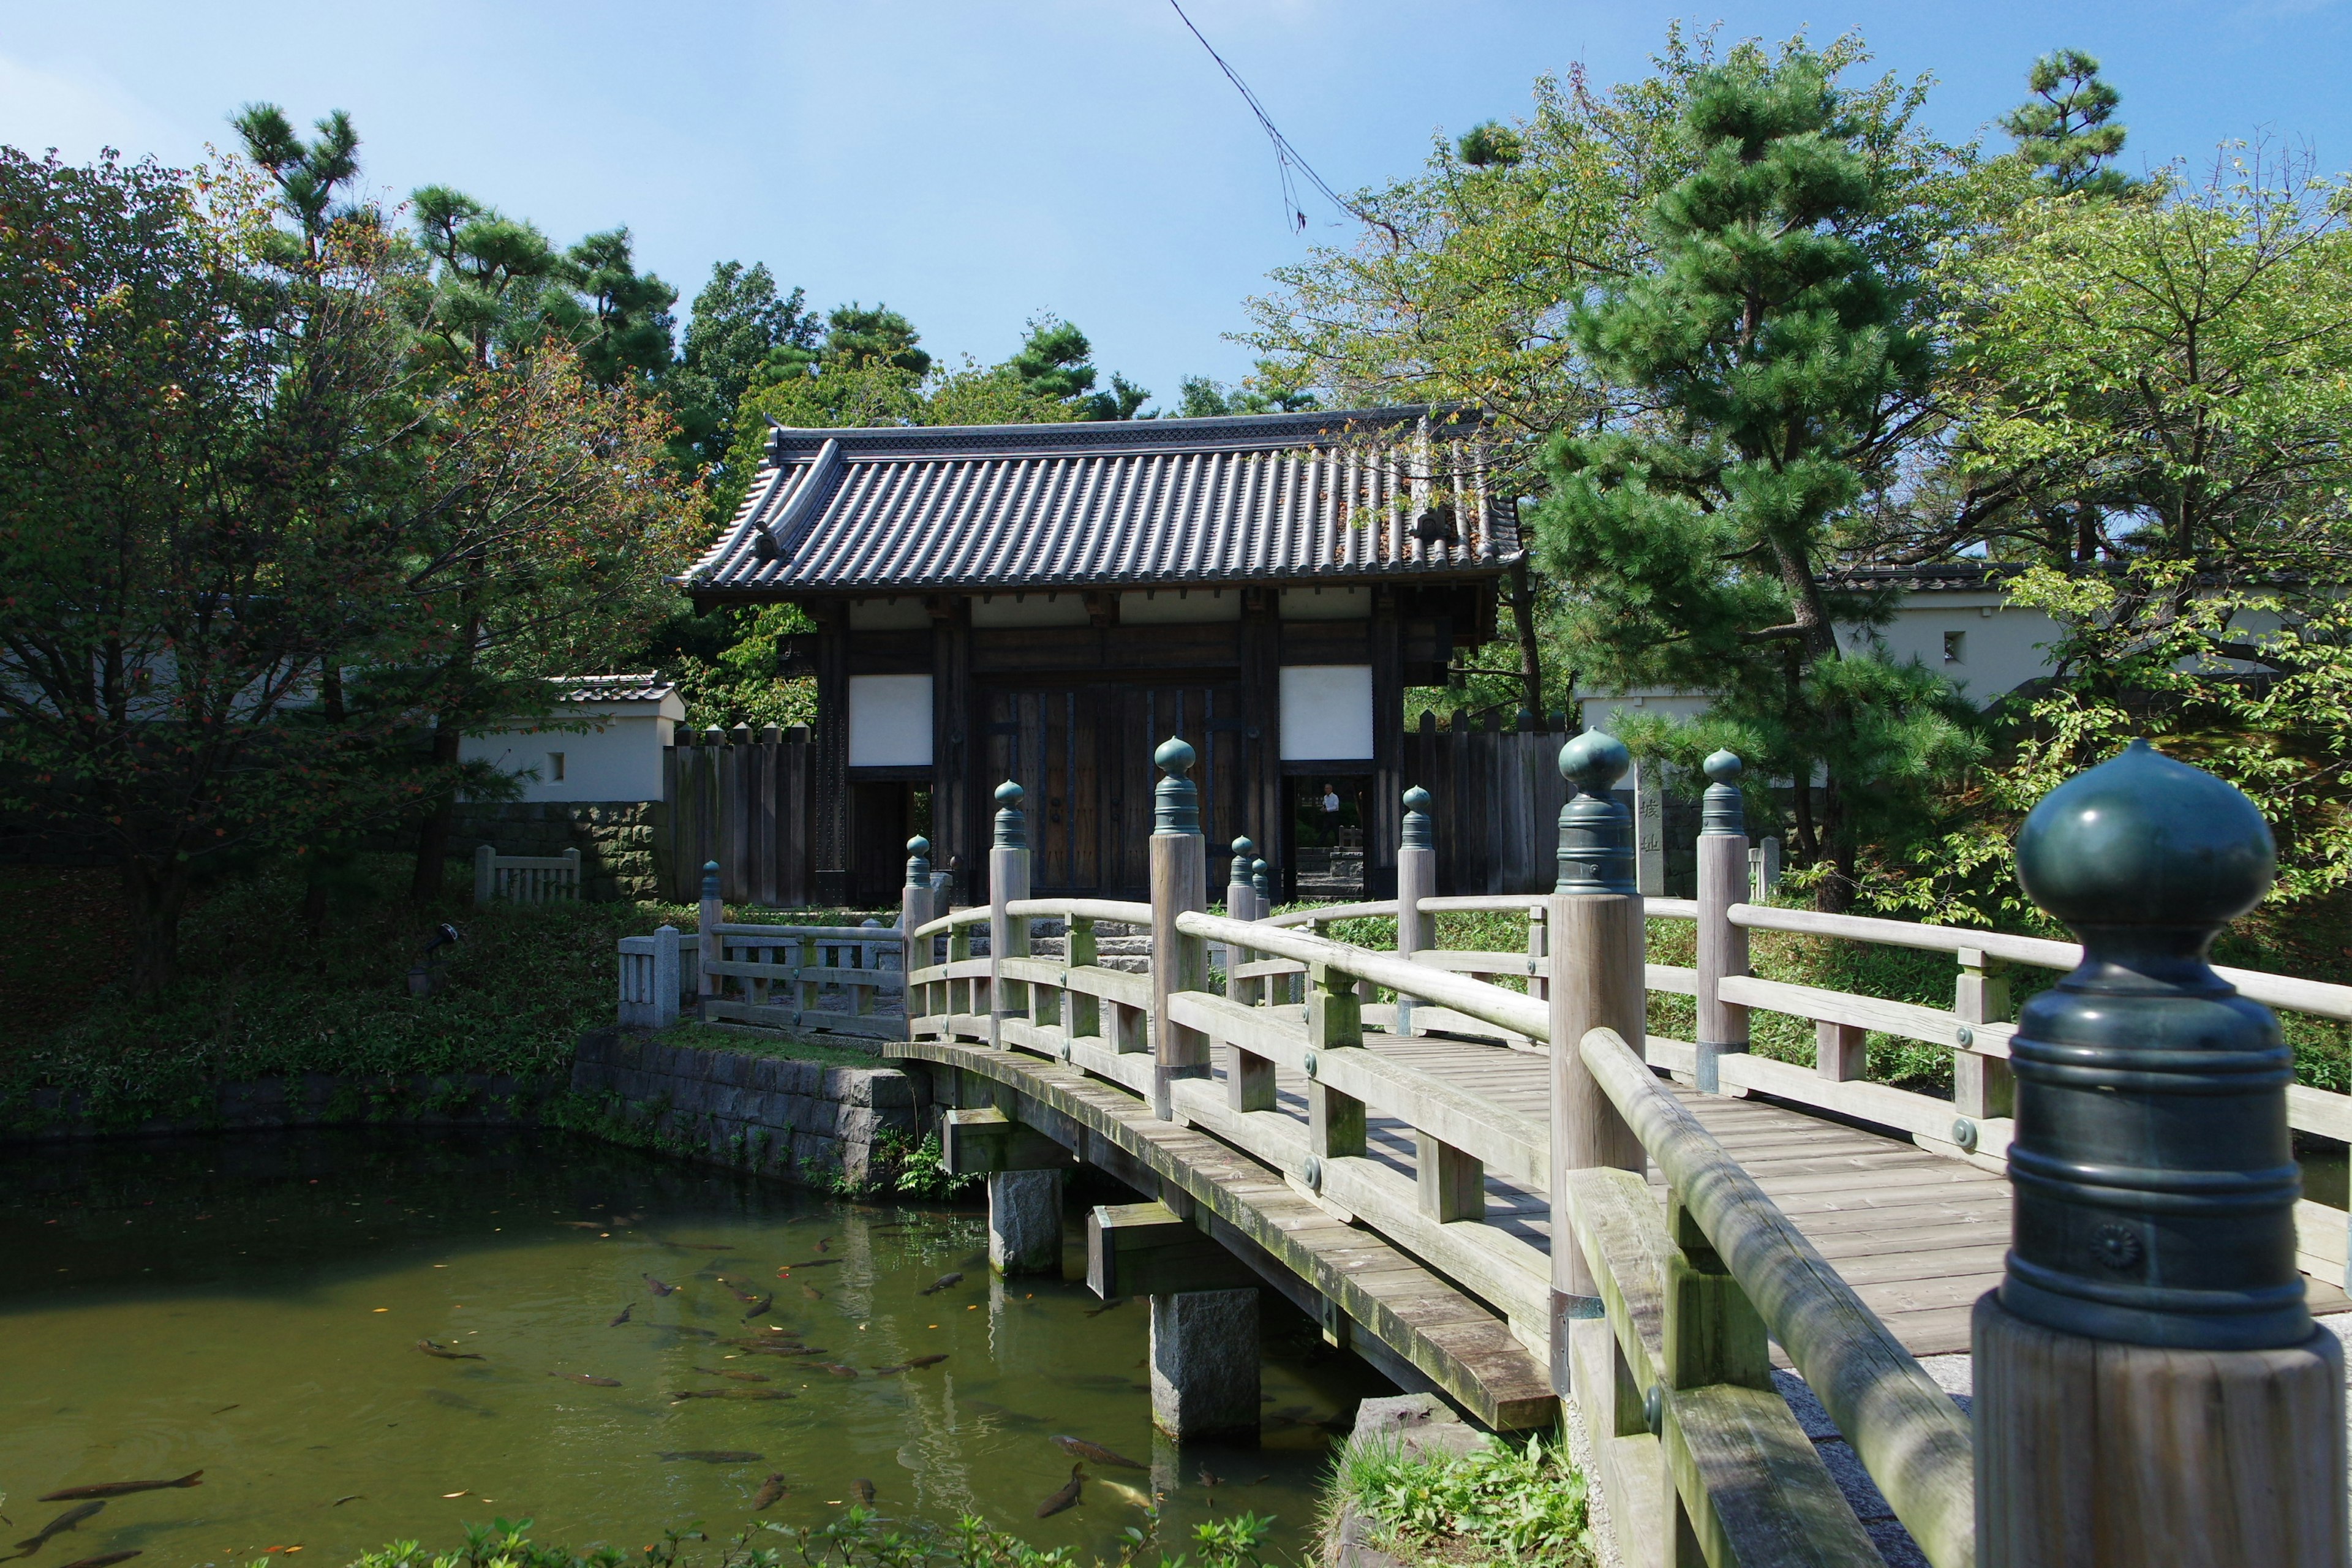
802 1121
617 840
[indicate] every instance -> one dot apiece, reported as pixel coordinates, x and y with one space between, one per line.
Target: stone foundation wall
801 1120
618 840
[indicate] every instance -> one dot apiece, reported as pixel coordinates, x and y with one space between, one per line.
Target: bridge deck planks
1919 1235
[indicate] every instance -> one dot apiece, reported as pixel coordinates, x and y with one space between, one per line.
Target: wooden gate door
1084 753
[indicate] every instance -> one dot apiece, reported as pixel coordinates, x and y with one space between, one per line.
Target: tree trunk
1523 622
433 833
158 895
1834 893
2086 531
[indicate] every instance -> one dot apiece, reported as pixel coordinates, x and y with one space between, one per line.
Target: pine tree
858 335
1057 361
307 174
2065 130
1759 368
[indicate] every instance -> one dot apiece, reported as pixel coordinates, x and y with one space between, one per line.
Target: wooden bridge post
1416 881
1180 884
1239 897
2149 1384
1335 1021
1008 878
708 949
1241 904
915 909
1599 981
1722 946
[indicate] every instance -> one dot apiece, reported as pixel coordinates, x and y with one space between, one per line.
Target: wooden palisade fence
2150 1386
740 798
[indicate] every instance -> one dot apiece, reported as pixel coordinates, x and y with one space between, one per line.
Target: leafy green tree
2185 361
1490 144
2065 131
1274 388
194 415
741 329
1769 362
1462 285
1057 361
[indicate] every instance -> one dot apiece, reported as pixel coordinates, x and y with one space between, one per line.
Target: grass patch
1505 1506
856 1538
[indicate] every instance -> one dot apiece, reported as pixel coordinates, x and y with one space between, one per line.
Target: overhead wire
1287 157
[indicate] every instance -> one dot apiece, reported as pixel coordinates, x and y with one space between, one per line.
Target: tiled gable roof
1326 497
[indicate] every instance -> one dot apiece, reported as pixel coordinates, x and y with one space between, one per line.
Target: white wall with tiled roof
618 757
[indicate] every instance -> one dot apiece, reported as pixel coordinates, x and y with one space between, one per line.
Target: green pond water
251 1307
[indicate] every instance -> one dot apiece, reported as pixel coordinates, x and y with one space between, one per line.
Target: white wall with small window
615 754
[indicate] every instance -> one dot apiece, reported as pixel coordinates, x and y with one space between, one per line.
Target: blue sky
973 164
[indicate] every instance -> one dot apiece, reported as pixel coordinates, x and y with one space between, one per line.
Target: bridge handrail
1104 910
1909 1435
2318 997
1474 998
976 915
1370 910
829 935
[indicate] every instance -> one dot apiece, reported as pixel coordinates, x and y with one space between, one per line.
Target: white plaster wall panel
903 614
1327 713
1029 610
890 720
1179 606
1354 604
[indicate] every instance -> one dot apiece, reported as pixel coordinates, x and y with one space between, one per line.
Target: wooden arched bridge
1483 1172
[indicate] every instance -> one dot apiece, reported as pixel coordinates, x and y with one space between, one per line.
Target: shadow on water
252 1307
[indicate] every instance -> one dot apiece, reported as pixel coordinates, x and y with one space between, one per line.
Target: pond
253 1307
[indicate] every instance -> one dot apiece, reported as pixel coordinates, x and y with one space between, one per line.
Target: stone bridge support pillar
1205 1365
1024 1223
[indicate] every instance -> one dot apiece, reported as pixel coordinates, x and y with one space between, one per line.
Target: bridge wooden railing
1692 1297
1659 1317
804 979
1975 1124
1723 1433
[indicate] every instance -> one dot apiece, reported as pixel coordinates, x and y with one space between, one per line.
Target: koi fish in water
1067 1496
57 1526
121 1488
1097 1452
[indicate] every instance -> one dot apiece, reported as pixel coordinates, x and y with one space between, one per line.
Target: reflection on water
252 1307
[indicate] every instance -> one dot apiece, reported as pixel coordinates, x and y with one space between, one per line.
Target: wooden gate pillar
2149 1384
1722 946
1180 881
1598 981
